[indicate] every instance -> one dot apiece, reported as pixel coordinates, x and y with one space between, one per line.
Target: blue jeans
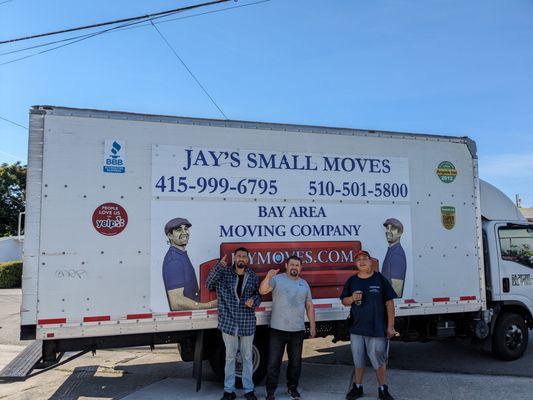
244 345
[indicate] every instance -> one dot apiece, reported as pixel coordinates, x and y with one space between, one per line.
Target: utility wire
43 44
9 154
14 123
196 15
188 70
81 38
136 25
7 1
116 21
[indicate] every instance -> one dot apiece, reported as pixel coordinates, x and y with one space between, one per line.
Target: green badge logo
446 172
447 216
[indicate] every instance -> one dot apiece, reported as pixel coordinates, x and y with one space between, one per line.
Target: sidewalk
332 381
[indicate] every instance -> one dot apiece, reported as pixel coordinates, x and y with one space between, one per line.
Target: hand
249 303
357 296
223 261
212 303
391 332
272 272
312 332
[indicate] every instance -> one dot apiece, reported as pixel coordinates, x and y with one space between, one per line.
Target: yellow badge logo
446 172
447 214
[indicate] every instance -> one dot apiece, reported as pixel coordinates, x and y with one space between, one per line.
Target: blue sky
446 67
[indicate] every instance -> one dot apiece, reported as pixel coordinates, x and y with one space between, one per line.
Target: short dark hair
241 249
294 257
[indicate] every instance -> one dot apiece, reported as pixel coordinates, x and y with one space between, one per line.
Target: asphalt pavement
436 370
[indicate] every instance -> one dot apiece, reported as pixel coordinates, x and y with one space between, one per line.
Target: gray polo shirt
288 303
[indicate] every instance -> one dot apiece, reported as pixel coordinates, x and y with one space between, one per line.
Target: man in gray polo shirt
291 299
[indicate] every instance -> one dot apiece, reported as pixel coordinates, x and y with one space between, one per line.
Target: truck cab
508 259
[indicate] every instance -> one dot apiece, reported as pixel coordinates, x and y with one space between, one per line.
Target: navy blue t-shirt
178 272
369 319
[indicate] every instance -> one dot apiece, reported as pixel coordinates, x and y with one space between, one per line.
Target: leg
232 344
357 344
381 375
276 346
247 353
377 352
294 352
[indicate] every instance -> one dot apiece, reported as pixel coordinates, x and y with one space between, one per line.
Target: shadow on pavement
454 356
95 381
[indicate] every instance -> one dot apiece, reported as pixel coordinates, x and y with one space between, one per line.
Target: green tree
12 196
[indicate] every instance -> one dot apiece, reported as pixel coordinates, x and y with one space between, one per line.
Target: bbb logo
114 159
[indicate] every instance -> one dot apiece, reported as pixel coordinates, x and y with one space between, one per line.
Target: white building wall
11 248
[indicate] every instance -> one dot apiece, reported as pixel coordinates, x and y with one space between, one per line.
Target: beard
240 264
293 272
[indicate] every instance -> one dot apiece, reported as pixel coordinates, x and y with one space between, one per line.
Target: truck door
516 263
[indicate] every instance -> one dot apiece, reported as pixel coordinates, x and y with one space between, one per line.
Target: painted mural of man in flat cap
179 276
394 264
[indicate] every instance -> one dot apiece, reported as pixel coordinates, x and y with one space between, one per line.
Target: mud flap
198 359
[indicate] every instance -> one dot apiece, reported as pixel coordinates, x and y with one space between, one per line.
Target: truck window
516 244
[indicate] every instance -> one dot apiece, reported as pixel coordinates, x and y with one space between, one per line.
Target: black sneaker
270 396
384 393
228 396
250 396
293 393
355 392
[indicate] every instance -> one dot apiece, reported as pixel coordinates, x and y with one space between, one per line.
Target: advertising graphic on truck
276 204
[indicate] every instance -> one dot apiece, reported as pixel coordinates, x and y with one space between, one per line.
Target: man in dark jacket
238 296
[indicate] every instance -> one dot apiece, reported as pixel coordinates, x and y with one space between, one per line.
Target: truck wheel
217 360
510 337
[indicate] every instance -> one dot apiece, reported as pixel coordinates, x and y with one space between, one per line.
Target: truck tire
217 360
510 337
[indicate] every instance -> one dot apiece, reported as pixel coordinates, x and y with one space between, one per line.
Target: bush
10 274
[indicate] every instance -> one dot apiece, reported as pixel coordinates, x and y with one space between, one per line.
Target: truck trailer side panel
110 182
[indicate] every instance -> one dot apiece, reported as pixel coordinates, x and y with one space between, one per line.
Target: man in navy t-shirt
370 297
179 276
394 264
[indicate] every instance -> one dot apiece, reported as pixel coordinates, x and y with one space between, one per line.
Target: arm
347 301
264 287
310 309
390 318
215 274
347 297
256 297
178 301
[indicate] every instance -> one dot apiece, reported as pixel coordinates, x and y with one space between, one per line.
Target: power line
7 1
9 154
81 38
188 70
135 25
14 123
114 22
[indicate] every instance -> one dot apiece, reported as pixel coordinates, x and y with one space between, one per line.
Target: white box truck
101 271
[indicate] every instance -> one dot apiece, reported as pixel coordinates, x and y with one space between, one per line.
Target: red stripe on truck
212 312
138 316
467 298
409 301
440 299
52 321
180 314
260 309
323 305
97 319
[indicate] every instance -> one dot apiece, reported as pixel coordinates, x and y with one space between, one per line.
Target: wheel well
519 309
